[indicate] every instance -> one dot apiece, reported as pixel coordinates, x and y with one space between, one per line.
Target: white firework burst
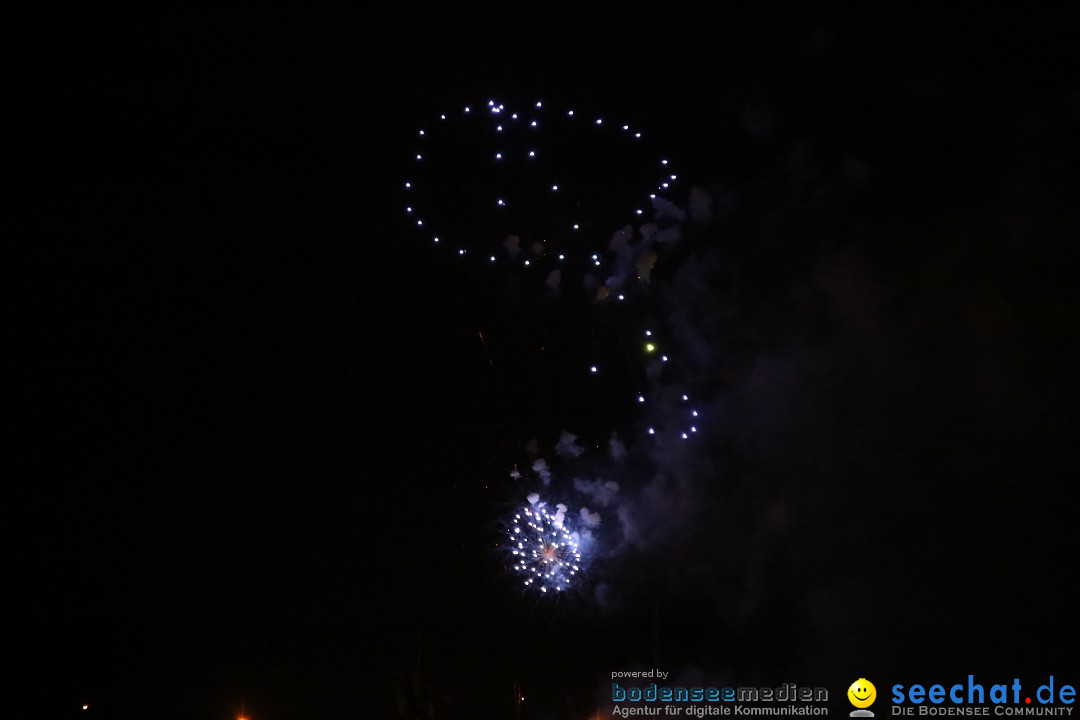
546 553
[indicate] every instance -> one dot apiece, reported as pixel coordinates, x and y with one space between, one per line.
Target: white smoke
567 446
540 466
667 210
600 492
668 235
647 231
560 515
512 245
616 448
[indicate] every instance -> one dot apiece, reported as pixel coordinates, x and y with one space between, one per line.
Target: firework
546 554
544 190
558 200
561 181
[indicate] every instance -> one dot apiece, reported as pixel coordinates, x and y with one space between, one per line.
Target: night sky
257 454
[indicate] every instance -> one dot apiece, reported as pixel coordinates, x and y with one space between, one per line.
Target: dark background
246 408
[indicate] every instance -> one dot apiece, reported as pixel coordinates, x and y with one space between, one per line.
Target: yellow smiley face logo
862 693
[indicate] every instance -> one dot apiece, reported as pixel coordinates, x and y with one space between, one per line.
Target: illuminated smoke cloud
600 492
554 279
567 446
542 469
626 253
668 235
667 210
621 239
652 233
644 265
591 519
616 448
622 245
512 245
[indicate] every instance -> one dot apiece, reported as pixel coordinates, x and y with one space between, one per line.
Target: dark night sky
246 406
